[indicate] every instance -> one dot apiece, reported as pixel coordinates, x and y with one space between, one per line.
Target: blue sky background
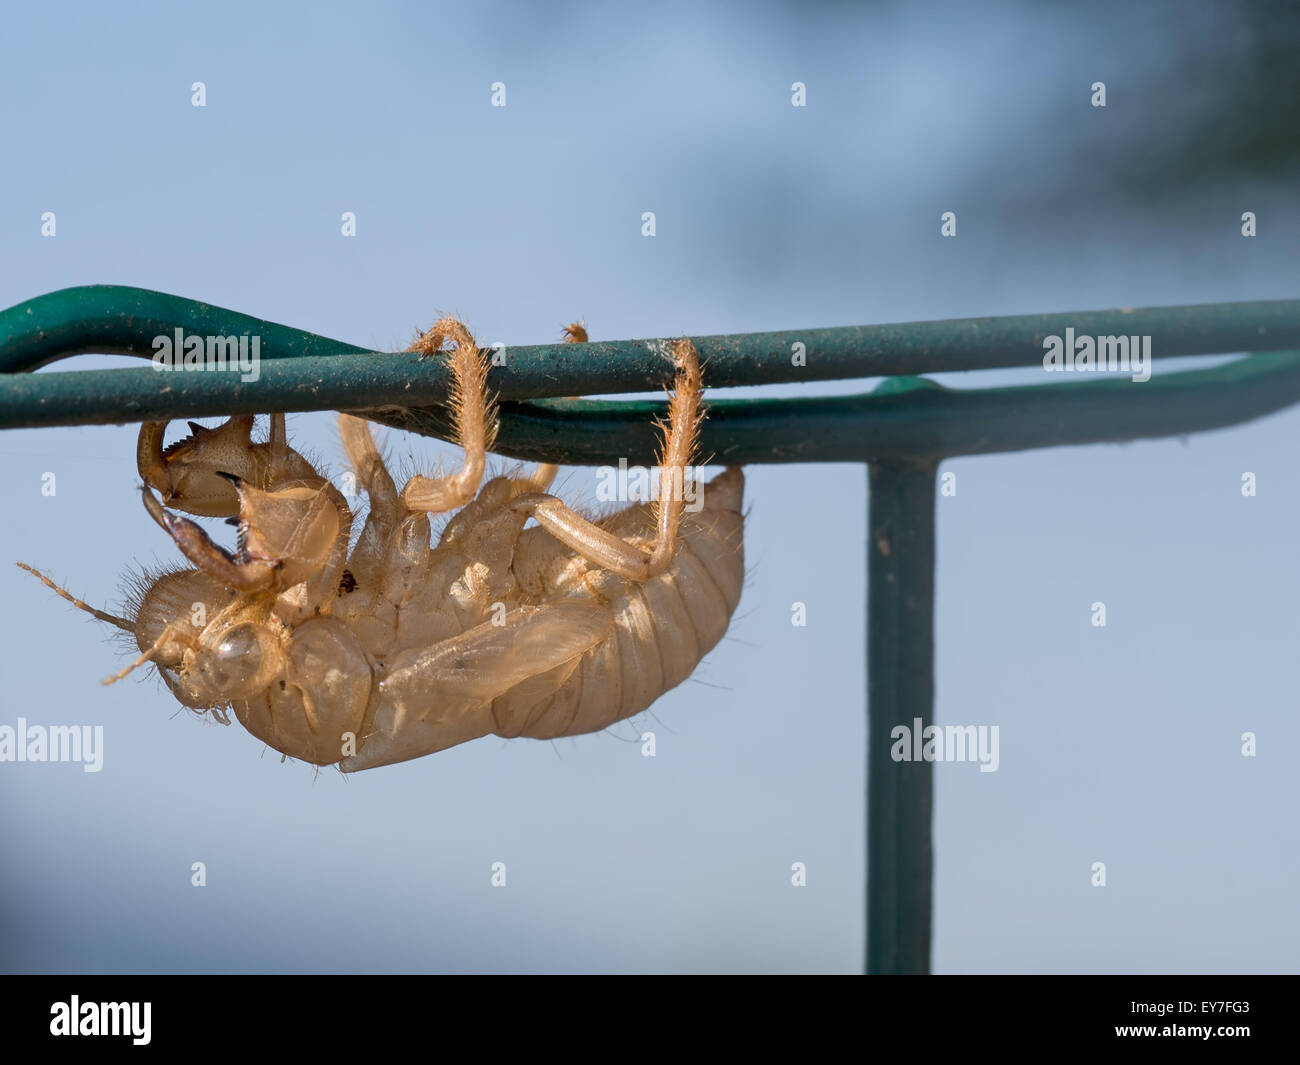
1119 744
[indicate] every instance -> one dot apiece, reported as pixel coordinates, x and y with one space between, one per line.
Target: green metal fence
902 431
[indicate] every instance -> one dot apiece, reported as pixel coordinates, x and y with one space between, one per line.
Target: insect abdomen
663 627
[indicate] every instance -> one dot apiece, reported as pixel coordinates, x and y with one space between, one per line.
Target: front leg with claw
194 473
286 537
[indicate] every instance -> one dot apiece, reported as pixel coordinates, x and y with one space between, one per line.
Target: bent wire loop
904 419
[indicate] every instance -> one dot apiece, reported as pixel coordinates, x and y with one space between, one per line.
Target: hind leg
607 550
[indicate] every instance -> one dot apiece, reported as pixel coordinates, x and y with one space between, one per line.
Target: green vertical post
900 690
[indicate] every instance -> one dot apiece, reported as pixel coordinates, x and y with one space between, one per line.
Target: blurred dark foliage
1241 99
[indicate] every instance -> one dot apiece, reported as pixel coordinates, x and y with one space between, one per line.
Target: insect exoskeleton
396 649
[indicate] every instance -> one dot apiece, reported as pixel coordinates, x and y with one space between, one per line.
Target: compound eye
244 662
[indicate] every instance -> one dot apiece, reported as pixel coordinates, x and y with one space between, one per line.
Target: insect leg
388 557
544 476
474 417
538 481
197 546
280 454
180 473
604 548
279 439
149 456
369 466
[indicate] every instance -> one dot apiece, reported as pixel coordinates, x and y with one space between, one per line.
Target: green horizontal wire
301 371
905 418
